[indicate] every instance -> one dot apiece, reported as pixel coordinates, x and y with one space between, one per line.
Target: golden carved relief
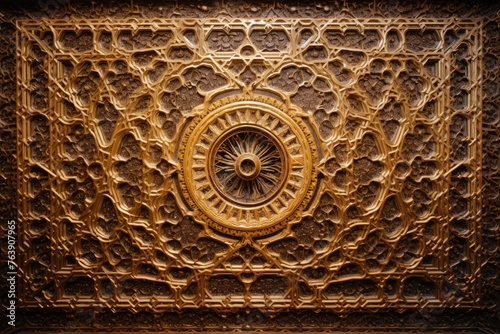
237 163
248 166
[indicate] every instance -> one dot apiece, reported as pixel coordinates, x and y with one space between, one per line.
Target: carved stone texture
264 165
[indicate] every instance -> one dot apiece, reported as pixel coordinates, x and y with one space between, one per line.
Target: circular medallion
248 165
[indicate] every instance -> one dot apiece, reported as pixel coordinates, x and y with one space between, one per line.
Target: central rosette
249 167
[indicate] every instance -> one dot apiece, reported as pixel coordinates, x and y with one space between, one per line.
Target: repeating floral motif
396 222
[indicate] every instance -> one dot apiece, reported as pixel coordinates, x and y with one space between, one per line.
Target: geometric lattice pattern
392 111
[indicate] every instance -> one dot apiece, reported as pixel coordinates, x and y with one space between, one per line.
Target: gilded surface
265 166
127 132
248 166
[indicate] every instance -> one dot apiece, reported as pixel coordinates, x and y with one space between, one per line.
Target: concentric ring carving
247 165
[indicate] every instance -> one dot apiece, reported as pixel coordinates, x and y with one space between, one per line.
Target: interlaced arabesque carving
273 164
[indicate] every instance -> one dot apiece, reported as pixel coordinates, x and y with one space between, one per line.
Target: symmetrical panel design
272 164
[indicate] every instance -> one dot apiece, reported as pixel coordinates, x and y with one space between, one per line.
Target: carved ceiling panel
274 163
240 163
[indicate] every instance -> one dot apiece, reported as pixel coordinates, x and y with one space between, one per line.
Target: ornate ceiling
252 166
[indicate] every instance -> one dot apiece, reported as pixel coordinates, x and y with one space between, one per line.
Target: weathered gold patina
242 165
